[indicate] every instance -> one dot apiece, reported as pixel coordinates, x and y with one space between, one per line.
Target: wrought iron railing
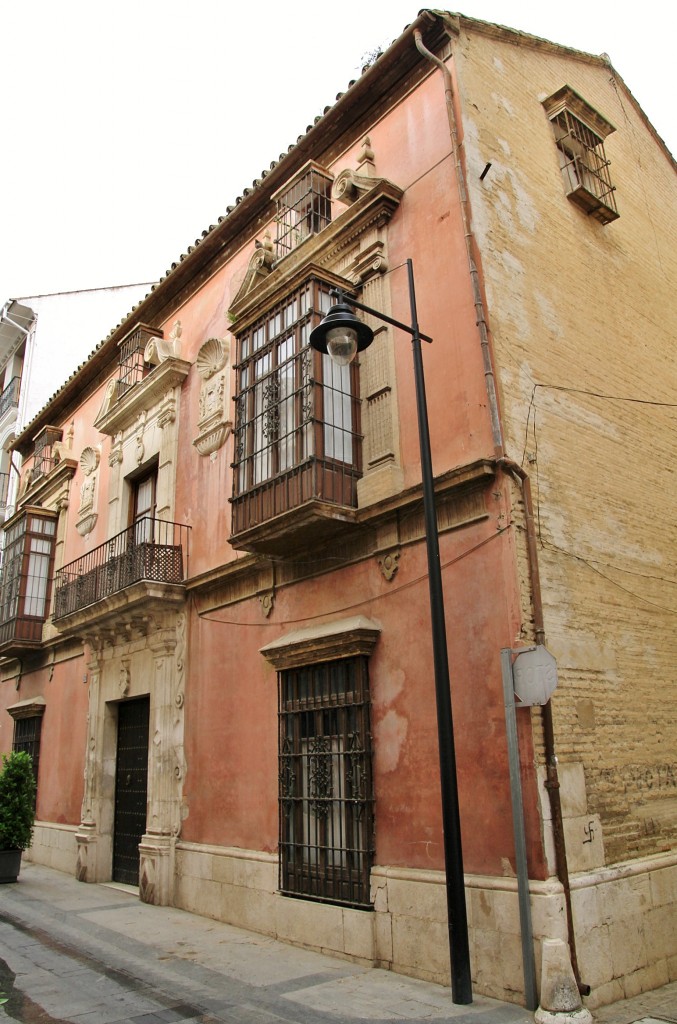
150 549
10 396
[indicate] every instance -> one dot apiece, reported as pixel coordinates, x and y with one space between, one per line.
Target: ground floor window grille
27 738
325 782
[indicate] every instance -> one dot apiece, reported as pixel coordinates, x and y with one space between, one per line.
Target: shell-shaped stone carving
212 357
89 460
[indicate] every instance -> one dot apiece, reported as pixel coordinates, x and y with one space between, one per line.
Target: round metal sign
534 675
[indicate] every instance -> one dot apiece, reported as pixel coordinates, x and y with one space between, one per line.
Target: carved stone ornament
212 357
87 516
389 563
366 157
60 449
159 349
109 399
213 423
124 678
89 460
349 186
260 266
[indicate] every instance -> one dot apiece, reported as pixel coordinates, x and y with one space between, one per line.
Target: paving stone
85 955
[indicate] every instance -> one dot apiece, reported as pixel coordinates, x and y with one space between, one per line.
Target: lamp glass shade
338 332
342 345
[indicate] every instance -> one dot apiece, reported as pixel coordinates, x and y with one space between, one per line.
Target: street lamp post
341 335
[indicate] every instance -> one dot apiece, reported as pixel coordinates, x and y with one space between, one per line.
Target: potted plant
17 811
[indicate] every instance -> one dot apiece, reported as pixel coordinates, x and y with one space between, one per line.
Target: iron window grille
44 456
579 134
133 366
325 782
26 576
303 207
297 415
27 738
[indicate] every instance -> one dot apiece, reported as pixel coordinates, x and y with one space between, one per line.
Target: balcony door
143 506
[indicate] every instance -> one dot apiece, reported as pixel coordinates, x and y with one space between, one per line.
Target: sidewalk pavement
94 954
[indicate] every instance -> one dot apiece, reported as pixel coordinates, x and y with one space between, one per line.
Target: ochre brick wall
583 322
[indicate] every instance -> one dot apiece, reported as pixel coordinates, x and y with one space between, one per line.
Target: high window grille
303 207
44 459
26 576
27 738
325 782
579 134
133 366
297 415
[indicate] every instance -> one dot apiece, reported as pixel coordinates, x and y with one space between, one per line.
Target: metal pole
461 984
527 935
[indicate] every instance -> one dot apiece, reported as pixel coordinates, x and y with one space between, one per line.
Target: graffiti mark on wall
641 777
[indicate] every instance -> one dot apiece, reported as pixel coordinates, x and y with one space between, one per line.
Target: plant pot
10 863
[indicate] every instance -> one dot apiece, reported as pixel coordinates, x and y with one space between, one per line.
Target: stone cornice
49 485
323 249
385 526
339 638
143 397
146 598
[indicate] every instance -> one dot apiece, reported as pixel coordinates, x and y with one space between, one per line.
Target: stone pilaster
166 765
94 834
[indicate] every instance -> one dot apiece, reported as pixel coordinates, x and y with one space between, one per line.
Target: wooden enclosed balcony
150 551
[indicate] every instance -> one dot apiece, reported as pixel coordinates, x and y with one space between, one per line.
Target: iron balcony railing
10 396
150 549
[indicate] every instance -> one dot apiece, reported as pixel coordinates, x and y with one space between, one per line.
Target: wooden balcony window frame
580 131
297 430
16 589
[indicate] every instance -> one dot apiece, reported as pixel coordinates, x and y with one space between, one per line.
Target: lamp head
341 335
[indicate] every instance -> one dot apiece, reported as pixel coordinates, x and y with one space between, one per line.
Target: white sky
129 127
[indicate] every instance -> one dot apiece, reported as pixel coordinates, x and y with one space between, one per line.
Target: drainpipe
552 781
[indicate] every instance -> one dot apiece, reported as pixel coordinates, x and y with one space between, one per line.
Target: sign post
530 674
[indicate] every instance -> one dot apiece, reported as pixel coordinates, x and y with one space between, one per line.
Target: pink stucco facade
206 624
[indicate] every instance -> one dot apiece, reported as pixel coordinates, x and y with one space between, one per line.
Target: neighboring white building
43 340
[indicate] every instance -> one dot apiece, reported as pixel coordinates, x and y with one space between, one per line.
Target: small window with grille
133 364
325 782
303 207
580 132
27 738
45 457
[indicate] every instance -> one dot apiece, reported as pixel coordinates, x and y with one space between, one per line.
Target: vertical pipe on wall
552 779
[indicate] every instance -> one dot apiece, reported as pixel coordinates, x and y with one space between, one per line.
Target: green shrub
17 801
